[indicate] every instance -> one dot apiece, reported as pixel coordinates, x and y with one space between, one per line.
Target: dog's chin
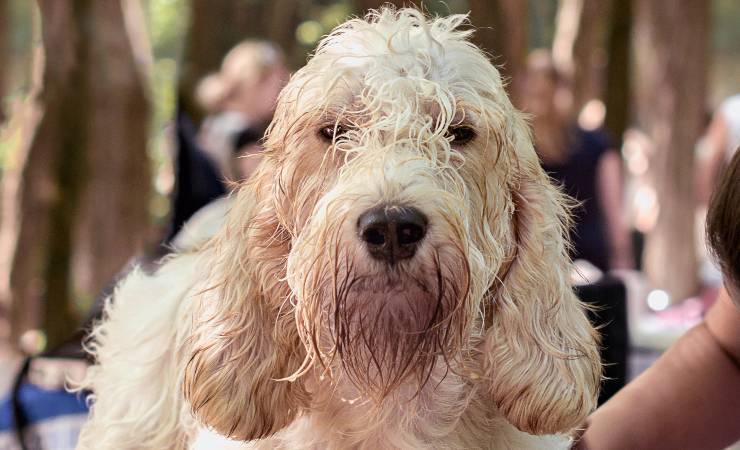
381 327
390 330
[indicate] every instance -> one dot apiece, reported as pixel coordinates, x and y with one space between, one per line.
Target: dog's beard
387 327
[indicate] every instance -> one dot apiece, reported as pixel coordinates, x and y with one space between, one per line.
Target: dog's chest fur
447 414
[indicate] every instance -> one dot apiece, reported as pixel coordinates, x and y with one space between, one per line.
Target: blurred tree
576 46
617 84
502 31
671 48
37 236
209 37
4 53
92 108
113 219
542 14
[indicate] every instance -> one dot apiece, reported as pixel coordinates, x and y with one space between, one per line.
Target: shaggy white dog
394 276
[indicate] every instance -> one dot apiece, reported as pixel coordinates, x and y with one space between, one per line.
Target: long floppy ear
540 352
244 341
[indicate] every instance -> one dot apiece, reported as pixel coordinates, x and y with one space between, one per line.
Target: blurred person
589 169
713 152
719 143
584 162
690 398
240 99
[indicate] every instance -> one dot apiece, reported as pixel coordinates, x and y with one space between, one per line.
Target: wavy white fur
283 332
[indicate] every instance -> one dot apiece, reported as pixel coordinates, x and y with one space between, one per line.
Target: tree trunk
575 49
502 31
617 89
671 44
88 125
37 233
4 54
26 121
218 25
113 217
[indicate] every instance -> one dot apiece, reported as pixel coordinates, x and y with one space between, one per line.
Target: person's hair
247 64
723 223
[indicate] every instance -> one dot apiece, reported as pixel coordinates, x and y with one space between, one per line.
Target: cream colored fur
283 332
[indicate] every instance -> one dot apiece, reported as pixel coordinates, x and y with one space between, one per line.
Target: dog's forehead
398 70
405 45
399 55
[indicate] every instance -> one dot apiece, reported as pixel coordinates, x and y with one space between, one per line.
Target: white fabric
730 110
217 139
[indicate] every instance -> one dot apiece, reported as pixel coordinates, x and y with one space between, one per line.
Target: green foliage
541 22
725 52
319 21
165 101
726 27
10 139
167 23
21 42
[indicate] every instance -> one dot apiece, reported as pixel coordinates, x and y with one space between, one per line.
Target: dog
395 275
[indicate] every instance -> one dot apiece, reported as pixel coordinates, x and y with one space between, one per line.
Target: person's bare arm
610 191
690 398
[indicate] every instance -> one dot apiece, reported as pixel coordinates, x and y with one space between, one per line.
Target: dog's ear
540 351
244 342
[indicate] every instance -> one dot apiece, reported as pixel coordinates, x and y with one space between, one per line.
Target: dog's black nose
392 233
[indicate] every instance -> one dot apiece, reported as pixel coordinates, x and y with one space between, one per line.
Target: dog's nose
392 233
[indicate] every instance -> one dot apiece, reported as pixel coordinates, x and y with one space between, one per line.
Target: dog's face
393 182
399 222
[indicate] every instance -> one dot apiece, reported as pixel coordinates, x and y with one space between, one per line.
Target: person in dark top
584 163
239 99
577 174
240 96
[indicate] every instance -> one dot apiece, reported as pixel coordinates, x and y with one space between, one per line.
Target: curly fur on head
298 337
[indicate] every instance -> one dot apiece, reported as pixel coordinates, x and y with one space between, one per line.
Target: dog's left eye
331 132
461 134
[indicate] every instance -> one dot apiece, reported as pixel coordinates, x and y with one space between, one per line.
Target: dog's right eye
331 132
461 135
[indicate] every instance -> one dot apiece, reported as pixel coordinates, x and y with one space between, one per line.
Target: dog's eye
461 134
331 132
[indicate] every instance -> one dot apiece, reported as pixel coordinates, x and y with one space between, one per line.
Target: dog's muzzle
392 233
